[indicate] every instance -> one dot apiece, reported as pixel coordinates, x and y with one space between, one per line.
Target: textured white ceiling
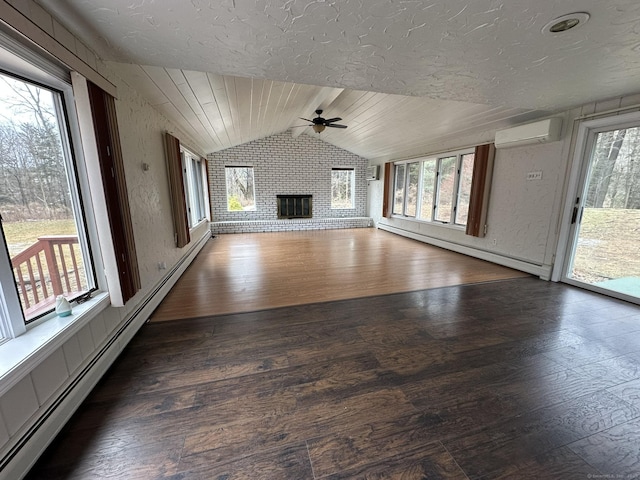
482 52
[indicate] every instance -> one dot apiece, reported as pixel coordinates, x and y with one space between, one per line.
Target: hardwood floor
512 379
241 273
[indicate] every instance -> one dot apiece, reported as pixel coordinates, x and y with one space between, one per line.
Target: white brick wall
284 225
285 165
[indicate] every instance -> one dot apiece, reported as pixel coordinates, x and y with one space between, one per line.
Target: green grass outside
609 241
608 245
21 235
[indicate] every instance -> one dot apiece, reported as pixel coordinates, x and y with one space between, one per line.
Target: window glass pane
194 190
464 188
446 182
198 189
608 229
187 180
398 193
342 188
240 188
412 189
42 220
428 182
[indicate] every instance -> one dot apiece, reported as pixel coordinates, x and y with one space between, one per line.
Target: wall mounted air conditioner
372 172
543 131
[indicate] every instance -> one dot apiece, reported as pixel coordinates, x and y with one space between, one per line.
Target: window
411 192
435 189
194 189
444 189
240 188
342 187
43 222
398 190
464 188
428 189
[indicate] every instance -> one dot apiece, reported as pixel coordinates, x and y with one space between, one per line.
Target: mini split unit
543 131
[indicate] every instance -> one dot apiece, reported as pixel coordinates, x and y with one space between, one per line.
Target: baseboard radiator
24 453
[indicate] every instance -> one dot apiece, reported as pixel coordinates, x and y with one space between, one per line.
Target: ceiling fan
320 123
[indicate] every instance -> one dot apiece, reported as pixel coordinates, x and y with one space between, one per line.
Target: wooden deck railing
50 267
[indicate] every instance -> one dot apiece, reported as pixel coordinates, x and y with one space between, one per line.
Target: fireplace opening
294 206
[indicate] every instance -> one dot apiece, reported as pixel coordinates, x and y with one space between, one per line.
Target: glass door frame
577 184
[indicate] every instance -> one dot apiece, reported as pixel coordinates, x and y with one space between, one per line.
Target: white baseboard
60 409
542 271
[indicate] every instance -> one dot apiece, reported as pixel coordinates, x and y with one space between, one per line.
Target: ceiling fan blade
298 126
331 120
335 125
306 119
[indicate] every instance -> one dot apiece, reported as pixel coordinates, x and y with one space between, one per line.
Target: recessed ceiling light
566 22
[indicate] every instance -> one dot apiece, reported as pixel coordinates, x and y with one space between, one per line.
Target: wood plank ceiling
222 111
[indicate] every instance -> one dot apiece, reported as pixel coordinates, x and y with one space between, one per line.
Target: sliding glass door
604 246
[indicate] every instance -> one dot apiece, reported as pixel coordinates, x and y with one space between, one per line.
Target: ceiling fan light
318 128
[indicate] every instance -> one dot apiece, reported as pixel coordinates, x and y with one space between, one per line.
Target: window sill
198 225
20 355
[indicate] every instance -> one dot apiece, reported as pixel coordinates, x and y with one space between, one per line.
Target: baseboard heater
93 371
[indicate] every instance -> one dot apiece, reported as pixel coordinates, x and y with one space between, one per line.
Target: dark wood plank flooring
504 380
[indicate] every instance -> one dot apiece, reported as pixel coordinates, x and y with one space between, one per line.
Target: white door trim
576 185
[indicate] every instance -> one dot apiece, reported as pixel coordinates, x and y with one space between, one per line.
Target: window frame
399 187
352 185
433 216
226 188
194 188
16 63
420 214
459 193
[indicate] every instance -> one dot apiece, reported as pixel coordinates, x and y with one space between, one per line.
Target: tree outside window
42 218
240 189
464 188
446 187
342 188
398 190
428 189
194 190
435 189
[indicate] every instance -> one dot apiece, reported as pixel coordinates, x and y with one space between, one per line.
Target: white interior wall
44 390
524 216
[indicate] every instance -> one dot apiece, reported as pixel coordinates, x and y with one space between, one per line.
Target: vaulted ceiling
402 74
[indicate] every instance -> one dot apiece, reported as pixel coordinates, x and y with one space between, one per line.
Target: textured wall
33 386
141 134
522 214
286 165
